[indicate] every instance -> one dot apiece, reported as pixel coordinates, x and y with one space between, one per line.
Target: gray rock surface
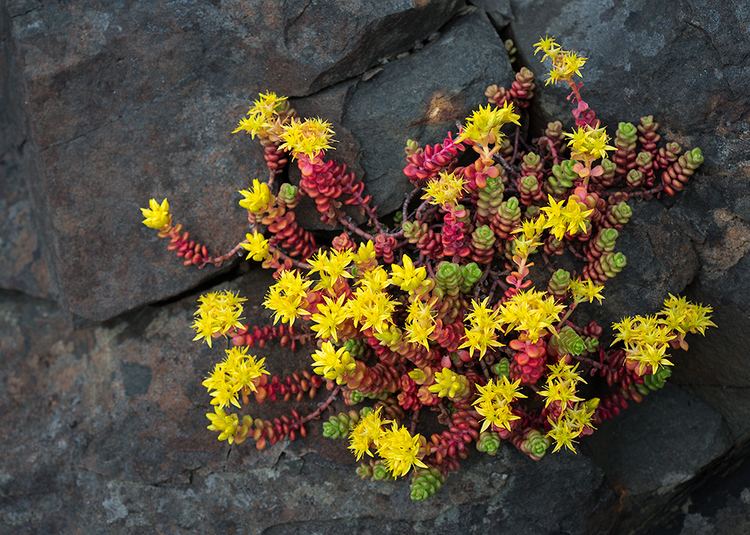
656 451
122 108
499 11
719 503
638 449
22 265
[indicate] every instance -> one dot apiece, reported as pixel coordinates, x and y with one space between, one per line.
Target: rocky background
104 104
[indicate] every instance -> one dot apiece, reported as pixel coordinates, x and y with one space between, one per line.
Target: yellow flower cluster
575 413
225 424
493 402
562 385
257 200
366 433
449 384
399 449
420 323
229 377
330 266
257 246
217 313
369 306
372 308
685 317
570 424
287 296
565 63
409 278
565 217
528 234
547 45
374 279
261 115
586 290
588 143
365 257
157 215
484 323
390 336
532 312
646 338
559 217
446 190
333 364
483 126
330 315
308 137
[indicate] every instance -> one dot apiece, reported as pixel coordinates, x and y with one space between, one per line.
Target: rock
326 42
660 443
22 266
427 91
118 444
731 519
657 447
717 503
499 11
132 101
22 263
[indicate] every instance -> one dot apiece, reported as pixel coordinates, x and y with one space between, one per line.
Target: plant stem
283 255
349 225
407 201
321 407
219 260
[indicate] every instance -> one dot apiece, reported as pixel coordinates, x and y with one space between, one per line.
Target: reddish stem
219 260
321 407
354 228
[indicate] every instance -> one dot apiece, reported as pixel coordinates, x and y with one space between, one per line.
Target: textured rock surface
22 266
636 449
122 108
719 504
498 10
653 452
